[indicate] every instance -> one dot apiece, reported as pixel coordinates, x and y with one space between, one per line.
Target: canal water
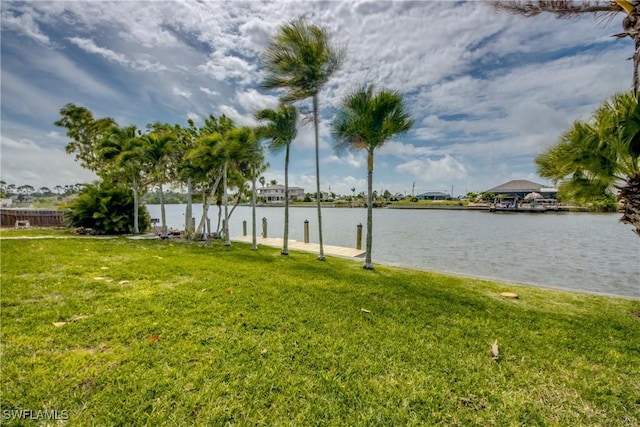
575 251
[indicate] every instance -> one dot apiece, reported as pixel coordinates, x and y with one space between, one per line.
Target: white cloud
252 100
209 92
25 24
90 46
180 92
445 169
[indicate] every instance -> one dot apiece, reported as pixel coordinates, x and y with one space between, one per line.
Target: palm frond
560 8
299 60
366 120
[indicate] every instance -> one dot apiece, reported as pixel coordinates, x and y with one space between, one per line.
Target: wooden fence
35 217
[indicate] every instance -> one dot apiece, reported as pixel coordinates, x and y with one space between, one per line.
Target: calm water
578 251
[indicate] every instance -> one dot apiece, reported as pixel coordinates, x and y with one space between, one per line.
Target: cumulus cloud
252 100
428 170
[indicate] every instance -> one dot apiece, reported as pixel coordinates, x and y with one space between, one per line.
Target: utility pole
413 189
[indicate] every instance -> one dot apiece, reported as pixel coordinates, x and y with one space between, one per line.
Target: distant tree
26 190
488 196
592 158
365 121
280 129
300 60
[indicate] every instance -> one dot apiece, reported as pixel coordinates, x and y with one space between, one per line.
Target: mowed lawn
135 332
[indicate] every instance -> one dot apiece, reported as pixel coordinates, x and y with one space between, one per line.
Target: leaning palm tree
300 60
281 131
594 157
569 9
239 151
365 121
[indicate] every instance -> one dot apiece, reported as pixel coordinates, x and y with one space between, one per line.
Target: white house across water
275 193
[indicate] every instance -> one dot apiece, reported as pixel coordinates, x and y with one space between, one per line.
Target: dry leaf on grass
123 282
364 310
495 354
153 338
264 352
73 319
230 290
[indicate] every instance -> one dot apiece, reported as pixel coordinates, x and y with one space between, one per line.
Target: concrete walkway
276 242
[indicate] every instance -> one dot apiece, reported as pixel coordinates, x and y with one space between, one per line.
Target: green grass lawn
174 333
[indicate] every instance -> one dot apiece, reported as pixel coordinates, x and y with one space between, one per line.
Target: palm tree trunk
136 226
254 243
318 194
630 193
206 202
188 214
367 261
227 239
163 215
285 238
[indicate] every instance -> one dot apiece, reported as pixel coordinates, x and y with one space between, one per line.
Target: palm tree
569 9
240 152
157 153
593 157
300 60
281 130
123 147
365 121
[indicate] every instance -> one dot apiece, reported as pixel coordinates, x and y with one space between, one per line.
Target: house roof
517 186
433 193
278 187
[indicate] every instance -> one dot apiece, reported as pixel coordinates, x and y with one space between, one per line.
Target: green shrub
106 208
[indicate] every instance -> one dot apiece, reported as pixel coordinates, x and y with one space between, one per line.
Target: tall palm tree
365 121
593 157
300 60
281 131
568 9
158 148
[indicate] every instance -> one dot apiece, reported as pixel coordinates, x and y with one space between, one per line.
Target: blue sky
488 91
